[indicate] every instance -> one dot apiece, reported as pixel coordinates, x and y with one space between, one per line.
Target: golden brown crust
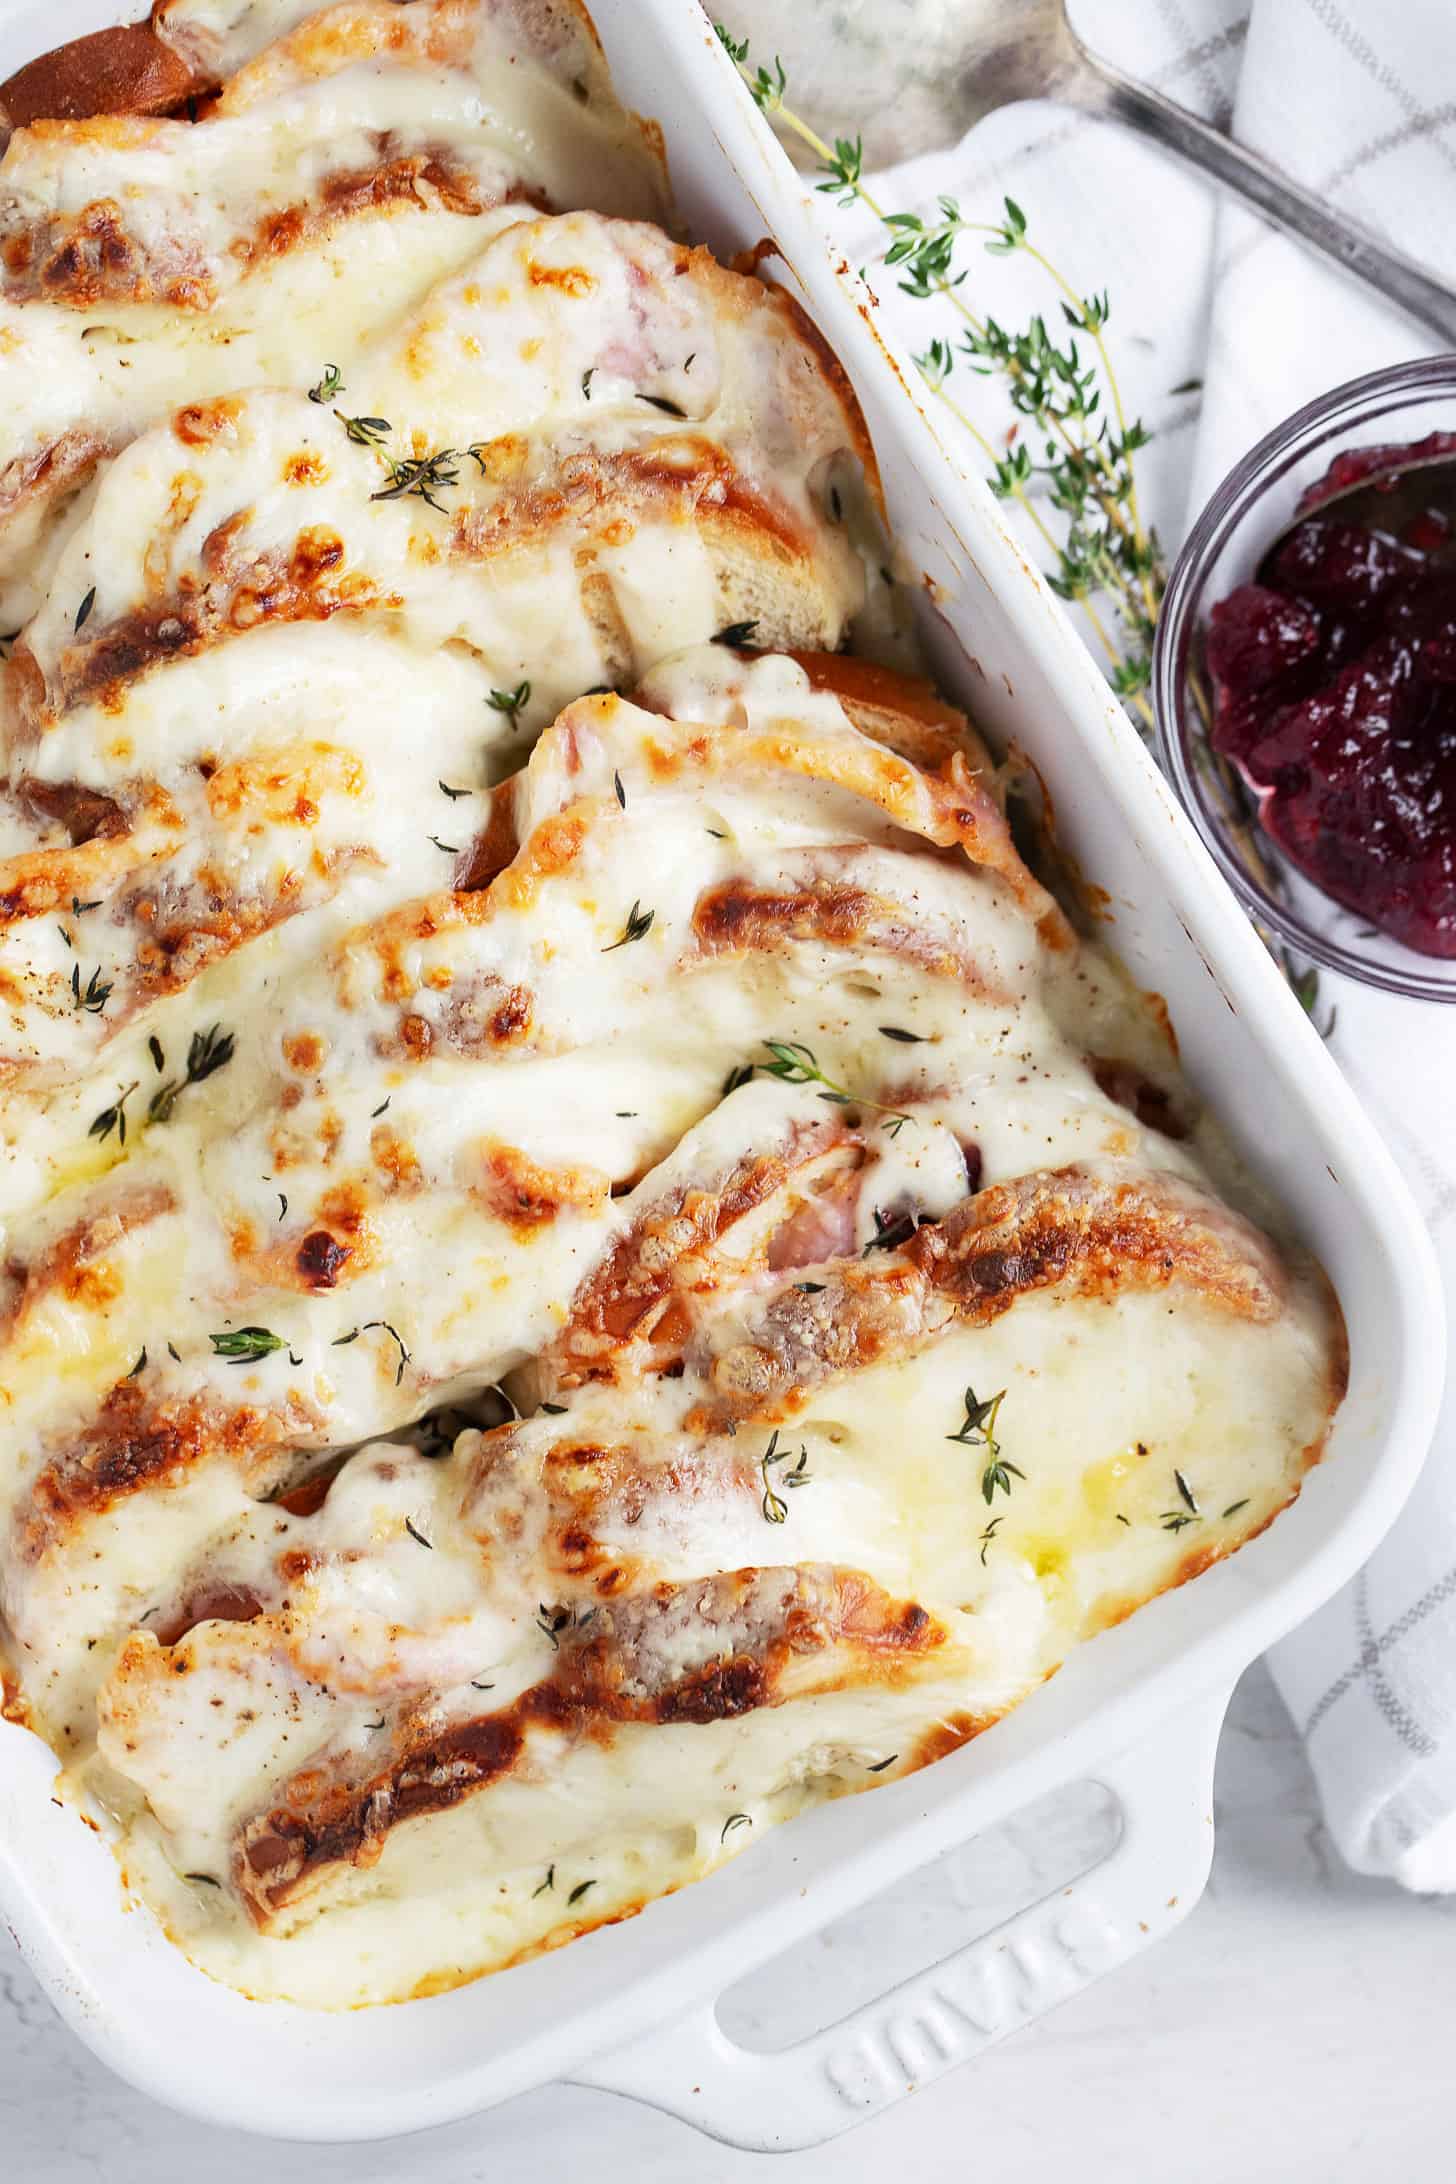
135 1442
1068 1228
739 918
73 1265
1102 1233
905 713
124 70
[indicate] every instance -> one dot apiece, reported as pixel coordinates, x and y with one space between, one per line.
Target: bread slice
125 70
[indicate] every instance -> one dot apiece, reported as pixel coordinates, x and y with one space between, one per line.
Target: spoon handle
1096 89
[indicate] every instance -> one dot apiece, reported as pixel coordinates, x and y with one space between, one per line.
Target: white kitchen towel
1357 99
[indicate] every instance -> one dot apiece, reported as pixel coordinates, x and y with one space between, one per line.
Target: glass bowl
1254 503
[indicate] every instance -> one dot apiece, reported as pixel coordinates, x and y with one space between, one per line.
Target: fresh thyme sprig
246 1345
775 1508
330 387
95 994
796 1064
423 475
510 702
978 1430
1081 467
208 1052
638 926
1173 1520
113 1117
341 1342
365 431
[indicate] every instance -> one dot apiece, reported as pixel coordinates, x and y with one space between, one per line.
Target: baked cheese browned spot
739 918
136 1444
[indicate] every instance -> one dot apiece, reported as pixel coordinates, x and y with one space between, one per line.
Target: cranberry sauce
1334 684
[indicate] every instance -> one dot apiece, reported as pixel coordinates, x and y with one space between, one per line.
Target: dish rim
720 1928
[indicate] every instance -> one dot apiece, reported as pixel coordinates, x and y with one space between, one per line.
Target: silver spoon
950 62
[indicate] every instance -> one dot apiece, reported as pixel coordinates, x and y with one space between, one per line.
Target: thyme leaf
330 387
113 1118
94 996
775 1508
891 1231
1070 459
245 1345
794 1063
208 1052
510 702
421 475
637 927
366 431
978 1430
396 1338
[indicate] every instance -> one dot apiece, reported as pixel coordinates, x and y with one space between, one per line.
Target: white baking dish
1139 1708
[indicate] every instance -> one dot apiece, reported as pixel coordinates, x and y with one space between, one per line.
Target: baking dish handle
802 2095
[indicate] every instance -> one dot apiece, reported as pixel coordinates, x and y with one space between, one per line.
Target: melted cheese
709 1071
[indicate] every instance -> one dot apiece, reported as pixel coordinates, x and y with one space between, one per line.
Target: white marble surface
1295 2030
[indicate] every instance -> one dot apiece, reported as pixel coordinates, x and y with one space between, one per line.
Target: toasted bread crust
125 70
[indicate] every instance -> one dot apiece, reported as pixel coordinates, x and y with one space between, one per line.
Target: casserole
325 2076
